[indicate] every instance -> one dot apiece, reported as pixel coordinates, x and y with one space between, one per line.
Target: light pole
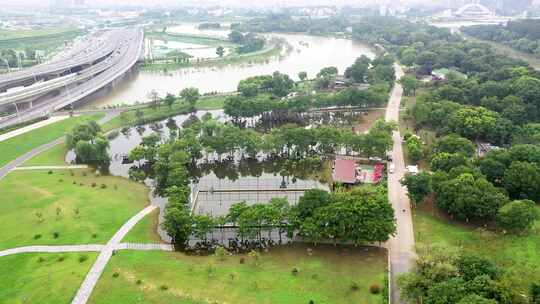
7 63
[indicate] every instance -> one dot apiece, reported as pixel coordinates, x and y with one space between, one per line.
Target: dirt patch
366 120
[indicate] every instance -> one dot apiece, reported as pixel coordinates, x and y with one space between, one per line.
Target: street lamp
7 63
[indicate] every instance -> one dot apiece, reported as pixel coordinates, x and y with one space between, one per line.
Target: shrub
82 258
74 182
41 259
163 287
375 289
37 236
94 235
81 184
56 235
93 185
115 275
355 286
60 180
138 282
61 258
103 186
295 271
221 253
71 173
84 174
242 260
49 172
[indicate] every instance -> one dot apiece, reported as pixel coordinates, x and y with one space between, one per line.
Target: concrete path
30 154
60 248
31 127
401 246
84 292
137 246
51 167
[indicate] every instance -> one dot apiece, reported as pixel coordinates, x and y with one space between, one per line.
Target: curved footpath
401 246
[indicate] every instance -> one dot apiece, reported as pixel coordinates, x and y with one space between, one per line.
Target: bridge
71 76
474 10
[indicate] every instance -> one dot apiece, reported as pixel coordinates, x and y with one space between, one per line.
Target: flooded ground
310 54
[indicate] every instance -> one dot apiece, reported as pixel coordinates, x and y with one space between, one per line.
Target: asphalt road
401 246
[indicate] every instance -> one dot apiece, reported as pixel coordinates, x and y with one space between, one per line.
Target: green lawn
101 211
145 231
42 277
518 255
324 277
16 146
211 103
52 157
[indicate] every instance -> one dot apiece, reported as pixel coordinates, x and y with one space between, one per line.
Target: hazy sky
44 3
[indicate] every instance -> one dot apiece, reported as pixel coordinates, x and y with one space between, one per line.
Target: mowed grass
54 156
16 146
326 276
518 255
42 277
69 206
145 231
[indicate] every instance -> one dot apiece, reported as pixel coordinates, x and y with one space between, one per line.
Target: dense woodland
522 35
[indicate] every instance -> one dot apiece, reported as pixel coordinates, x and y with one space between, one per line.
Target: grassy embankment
325 276
17 146
233 58
45 278
518 255
80 207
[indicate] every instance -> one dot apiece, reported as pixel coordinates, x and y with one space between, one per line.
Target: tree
202 225
328 72
453 143
359 70
476 299
446 161
467 197
535 293
410 84
302 75
169 99
419 186
522 180
518 216
179 225
220 51
154 98
310 201
236 37
190 95
471 266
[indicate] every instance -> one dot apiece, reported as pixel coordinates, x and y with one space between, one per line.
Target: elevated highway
48 96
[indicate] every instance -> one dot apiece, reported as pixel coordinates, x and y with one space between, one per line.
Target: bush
103 186
61 258
74 182
375 289
138 282
355 286
41 259
115 275
242 260
93 185
94 235
82 258
56 235
295 271
49 172
163 287
37 236
60 180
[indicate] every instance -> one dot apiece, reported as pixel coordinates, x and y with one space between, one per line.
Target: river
310 54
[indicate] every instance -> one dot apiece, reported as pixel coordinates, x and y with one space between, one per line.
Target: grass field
47 39
16 146
45 278
518 255
145 231
58 196
52 157
326 276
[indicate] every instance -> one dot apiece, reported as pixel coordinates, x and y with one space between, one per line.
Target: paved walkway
401 246
30 154
50 167
84 292
31 127
60 248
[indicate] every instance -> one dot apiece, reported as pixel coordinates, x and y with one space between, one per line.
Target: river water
310 54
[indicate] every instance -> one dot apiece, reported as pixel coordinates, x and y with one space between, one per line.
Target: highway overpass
115 54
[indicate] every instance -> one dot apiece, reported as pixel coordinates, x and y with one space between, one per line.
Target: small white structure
412 169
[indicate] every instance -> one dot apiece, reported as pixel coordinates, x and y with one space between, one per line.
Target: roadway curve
401 246
119 62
